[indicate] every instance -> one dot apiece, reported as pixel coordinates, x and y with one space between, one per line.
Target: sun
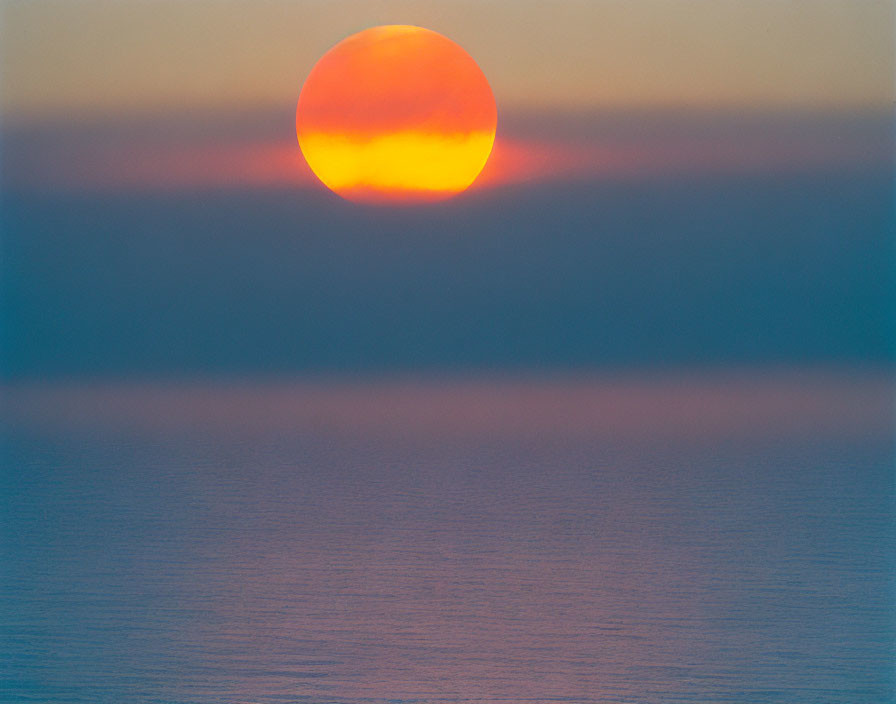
396 114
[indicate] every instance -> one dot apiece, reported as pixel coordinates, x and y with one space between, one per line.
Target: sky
71 59
695 183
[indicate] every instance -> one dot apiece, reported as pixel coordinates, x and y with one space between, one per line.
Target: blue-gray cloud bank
794 266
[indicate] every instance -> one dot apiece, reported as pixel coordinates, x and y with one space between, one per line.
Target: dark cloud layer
686 269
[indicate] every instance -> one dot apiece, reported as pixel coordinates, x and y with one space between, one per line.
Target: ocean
665 537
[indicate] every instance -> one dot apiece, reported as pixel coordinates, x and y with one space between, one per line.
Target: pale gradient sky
86 58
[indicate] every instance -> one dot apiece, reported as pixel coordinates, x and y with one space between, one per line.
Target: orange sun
396 113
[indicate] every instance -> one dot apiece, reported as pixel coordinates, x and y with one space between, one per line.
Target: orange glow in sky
396 113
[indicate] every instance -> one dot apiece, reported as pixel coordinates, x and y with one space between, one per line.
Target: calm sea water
640 540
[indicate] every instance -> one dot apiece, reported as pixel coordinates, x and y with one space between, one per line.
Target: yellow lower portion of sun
397 164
